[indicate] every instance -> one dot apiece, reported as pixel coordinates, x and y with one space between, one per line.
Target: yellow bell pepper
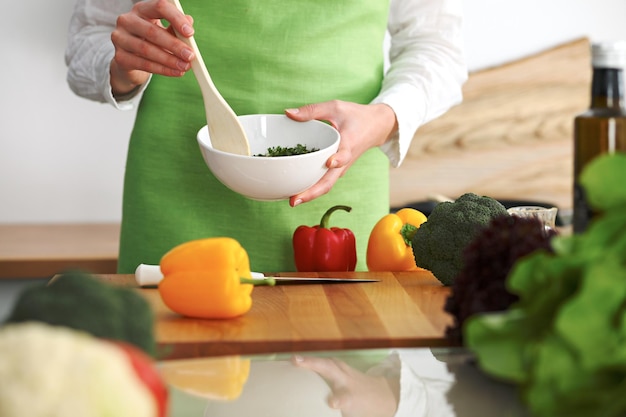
207 278
389 246
220 379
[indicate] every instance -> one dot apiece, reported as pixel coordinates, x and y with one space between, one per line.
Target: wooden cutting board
403 309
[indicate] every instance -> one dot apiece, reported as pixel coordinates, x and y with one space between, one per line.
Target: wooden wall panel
511 138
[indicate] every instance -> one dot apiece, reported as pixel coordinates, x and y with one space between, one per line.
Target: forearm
427 67
89 51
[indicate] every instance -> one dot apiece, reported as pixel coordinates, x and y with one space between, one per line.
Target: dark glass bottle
602 128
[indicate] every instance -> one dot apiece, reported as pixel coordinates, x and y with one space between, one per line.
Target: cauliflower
55 371
439 242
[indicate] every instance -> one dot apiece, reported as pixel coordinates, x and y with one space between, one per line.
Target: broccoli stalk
439 242
79 301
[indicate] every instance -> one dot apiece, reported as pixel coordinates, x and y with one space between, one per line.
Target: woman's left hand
362 126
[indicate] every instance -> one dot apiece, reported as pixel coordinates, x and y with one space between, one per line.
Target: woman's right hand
143 46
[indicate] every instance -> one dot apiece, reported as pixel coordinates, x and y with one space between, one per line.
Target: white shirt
425 73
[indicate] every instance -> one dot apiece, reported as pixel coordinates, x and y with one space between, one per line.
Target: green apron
264 57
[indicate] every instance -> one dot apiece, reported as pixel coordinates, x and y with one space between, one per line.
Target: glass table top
361 383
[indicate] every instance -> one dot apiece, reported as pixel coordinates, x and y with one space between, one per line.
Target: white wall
62 157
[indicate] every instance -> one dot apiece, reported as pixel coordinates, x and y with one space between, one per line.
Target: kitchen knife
150 276
317 280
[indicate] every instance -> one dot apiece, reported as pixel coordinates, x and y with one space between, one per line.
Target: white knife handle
147 275
150 275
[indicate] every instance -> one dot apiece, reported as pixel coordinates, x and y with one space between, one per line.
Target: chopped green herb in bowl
299 149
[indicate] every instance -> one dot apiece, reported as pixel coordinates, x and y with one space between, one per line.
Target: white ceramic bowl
272 178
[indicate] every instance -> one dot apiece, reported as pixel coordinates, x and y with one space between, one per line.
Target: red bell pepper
320 248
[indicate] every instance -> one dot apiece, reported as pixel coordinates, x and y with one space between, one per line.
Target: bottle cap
609 54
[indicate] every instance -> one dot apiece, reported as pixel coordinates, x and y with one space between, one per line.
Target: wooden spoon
225 131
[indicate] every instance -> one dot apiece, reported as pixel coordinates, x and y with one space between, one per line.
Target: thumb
317 111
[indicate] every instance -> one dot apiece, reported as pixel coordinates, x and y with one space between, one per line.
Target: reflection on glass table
363 383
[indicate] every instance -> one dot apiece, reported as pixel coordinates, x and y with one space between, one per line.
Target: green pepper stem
326 217
407 232
258 281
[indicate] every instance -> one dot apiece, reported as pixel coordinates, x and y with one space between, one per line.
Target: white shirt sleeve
427 67
89 51
424 385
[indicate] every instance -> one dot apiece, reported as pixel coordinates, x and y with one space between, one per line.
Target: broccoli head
439 242
79 301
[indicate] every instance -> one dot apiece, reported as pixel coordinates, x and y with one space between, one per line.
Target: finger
136 53
164 9
343 158
316 111
325 367
323 186
340 399
131 62
150 40
170 28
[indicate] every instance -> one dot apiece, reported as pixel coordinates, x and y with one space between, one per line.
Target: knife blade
317 280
